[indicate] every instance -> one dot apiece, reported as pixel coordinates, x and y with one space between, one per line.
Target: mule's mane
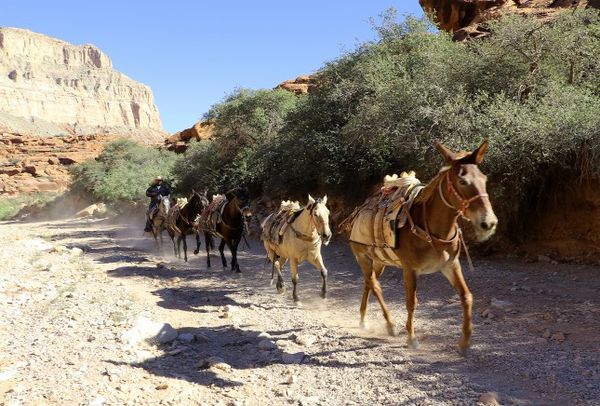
430 189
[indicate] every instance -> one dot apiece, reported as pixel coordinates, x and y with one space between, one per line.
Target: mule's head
242 199
320 215
197 200
464 188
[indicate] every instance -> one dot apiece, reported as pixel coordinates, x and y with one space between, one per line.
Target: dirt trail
63 314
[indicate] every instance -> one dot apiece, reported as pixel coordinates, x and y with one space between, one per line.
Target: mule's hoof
323 295
362 324
391 330
196 252
413 344
463 349
280 289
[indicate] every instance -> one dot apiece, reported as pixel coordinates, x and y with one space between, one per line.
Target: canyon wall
50 87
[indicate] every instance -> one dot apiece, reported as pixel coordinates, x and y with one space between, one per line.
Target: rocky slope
40 164
464 18
50 87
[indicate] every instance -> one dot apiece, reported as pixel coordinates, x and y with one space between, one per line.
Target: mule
430 242
184 224
301 241
230 228
159 220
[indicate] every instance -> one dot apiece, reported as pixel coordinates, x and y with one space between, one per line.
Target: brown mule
430 241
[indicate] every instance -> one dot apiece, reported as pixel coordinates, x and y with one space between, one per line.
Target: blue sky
193 53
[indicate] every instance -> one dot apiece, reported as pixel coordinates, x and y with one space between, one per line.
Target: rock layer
40 164
50 87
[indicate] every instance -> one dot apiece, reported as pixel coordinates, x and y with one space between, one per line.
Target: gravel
67 321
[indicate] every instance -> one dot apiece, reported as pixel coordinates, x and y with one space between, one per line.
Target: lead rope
464 245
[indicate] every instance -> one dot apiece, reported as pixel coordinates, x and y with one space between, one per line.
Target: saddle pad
376 222
275 224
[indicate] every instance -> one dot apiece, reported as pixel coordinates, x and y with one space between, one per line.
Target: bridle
314 222
464 202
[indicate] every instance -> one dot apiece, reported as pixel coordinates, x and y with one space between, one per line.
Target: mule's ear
324 200
311 200
478 154
448 155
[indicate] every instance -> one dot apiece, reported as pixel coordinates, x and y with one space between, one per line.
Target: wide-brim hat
158 178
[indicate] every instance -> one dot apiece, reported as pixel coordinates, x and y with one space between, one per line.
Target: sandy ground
64 312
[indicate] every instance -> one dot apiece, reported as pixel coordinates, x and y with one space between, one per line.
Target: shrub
245 121
122 172
531 87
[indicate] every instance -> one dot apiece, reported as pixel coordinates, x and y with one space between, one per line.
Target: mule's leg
174 244
207 238
318 263
294 274
378 292
455 276
179 246
279 264
410 285
184 246
222 252
365 264
197 250
233 248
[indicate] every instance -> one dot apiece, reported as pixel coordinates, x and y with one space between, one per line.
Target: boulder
145 329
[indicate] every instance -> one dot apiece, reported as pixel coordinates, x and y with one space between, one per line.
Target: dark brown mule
231 227
432 243
185 223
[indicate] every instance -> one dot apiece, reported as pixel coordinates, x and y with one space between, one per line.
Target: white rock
295 358
214 362
308 401
489 398
500 304
99 401
59 249
186 337
267 345
37 244
230 308
76 251
147 329
306 340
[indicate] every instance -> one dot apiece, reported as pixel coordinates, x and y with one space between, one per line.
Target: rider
155 192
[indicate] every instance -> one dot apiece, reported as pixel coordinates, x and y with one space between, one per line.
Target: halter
464 203
303 236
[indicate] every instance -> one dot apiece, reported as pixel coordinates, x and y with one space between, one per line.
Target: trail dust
73 291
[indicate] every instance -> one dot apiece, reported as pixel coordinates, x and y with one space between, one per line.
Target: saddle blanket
212 214
377 220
